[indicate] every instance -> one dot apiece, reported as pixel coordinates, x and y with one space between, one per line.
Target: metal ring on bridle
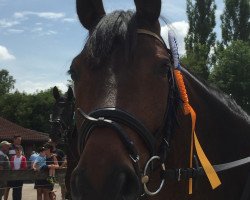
145 175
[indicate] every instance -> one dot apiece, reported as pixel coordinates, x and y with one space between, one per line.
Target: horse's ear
89 12
56 93
148 10
70 94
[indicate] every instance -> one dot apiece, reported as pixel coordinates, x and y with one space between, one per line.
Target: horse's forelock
116 29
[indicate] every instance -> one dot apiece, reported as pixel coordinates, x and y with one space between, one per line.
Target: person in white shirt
18 162
17 140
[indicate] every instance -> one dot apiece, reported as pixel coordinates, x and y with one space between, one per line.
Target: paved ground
29 193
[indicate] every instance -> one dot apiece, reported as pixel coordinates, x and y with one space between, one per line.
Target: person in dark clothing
17 140
61 157
4 164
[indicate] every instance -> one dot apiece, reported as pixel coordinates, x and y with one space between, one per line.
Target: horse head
62 115
123 85
126 101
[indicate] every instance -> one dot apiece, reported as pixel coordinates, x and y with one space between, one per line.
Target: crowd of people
47 158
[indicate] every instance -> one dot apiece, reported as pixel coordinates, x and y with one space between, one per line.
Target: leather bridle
114 117
117 119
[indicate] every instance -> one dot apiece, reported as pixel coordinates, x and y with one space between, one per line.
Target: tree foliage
28 110
200 38
232 72
235 21
6 82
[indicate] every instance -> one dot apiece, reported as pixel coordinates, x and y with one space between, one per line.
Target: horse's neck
224 134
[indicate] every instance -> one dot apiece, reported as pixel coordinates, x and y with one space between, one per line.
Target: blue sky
39 38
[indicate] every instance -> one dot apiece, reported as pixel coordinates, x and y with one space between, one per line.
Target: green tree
41 104
232 72
200 38
6 82
12 104
235 21
28 110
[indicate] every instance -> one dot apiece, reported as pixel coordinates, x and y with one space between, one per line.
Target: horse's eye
163 69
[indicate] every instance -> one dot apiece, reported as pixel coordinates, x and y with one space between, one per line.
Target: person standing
18 162
32 159
52 163
61 158
17 140
4 164
45 161
37 164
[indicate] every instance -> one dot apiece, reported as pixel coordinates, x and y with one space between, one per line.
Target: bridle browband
146 32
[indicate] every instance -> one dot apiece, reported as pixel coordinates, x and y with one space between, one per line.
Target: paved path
29 193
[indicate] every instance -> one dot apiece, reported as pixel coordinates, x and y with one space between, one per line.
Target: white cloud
42 32
70 20
50 32
15 30
218 13
7 23
19 15
45 15
180 29
5 54
32 86
38 29
50 15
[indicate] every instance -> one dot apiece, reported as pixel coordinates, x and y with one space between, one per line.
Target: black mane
221 97
230 103
116 28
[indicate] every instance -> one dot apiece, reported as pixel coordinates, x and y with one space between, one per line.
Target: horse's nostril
79 184
74 184
125 185
121 184
131 186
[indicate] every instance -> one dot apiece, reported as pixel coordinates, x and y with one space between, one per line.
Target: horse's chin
121 184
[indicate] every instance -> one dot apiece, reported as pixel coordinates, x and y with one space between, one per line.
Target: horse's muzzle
121 184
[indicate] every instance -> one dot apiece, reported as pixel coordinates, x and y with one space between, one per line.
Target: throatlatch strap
187 108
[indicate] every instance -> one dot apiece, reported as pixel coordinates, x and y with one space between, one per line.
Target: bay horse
128 109
62 115
63 129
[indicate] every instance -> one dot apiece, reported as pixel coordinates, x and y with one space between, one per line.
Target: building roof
8 129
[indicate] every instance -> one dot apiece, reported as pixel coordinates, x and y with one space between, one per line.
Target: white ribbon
174 49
